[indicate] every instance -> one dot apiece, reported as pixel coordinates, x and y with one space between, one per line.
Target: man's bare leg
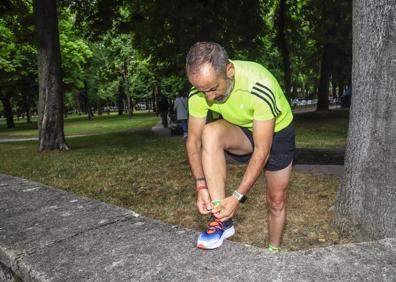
277 182
217 137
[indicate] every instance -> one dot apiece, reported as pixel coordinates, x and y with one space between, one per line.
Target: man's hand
226 209
204 204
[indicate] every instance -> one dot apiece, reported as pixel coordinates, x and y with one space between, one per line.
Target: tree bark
50 105
6 100
120 98
334 88
366 201
323 91
126 89
87 104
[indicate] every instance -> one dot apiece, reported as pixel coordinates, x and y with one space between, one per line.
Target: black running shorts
282 149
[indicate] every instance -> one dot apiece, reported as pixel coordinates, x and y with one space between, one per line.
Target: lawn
149 174
79 125
322 129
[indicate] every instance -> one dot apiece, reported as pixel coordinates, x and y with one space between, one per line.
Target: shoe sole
227 234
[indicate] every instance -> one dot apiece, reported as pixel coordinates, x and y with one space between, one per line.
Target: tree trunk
129 106
28 120
26 105
120 98
50 105
283 46
334 88
9 115
87 105
126 89
323 91
156 94
366 201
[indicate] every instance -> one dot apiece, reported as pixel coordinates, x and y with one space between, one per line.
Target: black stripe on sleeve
272 93
267 97
265 100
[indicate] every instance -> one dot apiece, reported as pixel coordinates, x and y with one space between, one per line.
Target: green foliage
18 71
110 47
75 53
330 22
116 61
7 47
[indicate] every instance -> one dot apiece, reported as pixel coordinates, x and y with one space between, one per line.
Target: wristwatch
241 198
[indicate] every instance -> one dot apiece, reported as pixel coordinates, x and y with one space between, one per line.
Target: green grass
79 125
322 129
150 175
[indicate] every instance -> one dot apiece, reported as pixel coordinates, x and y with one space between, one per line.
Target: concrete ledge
51 235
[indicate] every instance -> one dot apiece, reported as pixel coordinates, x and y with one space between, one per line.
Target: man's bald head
204 54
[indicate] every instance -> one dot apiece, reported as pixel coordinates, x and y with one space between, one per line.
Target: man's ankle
273 249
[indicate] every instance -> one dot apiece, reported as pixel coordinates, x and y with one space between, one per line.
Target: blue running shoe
216 233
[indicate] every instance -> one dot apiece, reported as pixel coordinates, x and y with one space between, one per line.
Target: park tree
164 30
7 69
18 68
329 26
282 24
50 105
366 201
75 55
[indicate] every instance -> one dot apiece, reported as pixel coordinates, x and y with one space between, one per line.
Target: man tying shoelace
257 129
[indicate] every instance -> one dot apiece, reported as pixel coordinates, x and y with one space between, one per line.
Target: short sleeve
197 106
265 101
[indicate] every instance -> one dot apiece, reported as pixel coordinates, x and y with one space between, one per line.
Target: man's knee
276 203
211 136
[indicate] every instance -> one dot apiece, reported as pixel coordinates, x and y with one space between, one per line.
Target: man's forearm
194 153
253 170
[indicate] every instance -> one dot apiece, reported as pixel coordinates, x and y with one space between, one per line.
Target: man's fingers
203 210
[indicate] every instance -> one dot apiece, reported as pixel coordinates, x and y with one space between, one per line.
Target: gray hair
207 52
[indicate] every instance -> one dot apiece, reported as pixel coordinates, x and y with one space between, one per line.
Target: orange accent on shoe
213 225
201 246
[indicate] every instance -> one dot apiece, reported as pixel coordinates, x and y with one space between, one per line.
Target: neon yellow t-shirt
256 95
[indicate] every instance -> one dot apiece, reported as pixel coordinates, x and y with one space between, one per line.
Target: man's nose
210 95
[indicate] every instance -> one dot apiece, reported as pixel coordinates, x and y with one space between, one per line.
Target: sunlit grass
322 129
80 125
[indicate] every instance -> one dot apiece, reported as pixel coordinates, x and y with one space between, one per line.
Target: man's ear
230 70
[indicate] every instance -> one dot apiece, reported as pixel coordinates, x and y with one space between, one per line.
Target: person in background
163 107
181 108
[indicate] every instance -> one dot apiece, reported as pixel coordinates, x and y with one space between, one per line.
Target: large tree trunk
283 46
6 100
366 202
50 106
323 91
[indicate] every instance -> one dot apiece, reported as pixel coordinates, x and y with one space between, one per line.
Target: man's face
215 86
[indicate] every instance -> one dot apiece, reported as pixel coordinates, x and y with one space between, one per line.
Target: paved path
51 235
